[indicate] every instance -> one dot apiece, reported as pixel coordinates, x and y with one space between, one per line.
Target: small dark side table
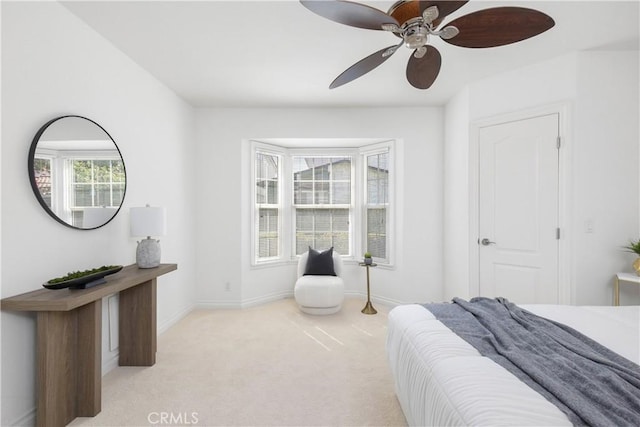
368 308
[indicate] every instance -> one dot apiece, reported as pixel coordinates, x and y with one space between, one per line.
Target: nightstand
623 277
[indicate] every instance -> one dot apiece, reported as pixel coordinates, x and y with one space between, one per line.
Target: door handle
487 242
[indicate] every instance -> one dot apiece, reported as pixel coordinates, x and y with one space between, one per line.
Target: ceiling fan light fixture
416 36
389 51
391 27
420 52
449 32
430 14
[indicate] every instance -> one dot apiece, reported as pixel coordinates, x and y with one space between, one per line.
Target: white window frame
271 150
375 149
358 150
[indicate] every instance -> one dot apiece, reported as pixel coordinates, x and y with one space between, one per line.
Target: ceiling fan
414 21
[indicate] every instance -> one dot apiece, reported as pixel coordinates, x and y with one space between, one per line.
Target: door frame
566 294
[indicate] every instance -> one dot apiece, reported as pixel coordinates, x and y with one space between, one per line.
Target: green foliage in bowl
78 274
367 254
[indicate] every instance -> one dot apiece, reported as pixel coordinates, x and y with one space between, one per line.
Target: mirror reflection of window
42 171
95 183
77 172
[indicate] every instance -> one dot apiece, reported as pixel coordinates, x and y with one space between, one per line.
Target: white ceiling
279 54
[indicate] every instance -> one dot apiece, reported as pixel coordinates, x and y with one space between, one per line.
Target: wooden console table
69 339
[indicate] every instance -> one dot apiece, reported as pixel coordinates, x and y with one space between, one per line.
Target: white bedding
442 380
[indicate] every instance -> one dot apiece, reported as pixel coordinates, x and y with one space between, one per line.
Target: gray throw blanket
591 384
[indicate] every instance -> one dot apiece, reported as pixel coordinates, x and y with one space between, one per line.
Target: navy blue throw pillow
320 263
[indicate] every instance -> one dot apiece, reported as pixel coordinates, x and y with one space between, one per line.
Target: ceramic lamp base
148 253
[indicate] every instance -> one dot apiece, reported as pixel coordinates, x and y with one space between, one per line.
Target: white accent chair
319 294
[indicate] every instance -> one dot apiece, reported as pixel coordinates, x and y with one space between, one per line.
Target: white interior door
518 210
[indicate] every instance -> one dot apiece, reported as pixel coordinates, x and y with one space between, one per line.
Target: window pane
118 194
102 170
322 220
303 241
103 195
82 195
42 173
117 168
322 193
303 193
304 219
341 169
377 178
261 192
82 171
341 193
322 229
272 192
267 233
377 199
377 232
321 172
321 180
340 220
266 172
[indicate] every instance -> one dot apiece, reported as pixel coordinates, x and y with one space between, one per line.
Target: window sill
272 264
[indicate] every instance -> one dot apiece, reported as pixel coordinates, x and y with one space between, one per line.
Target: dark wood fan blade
362 67
499 26
444 7
422 72
349 13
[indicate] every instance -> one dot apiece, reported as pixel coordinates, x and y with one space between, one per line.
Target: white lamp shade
148 221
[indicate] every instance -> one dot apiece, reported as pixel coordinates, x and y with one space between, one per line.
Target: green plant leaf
633 246
78 274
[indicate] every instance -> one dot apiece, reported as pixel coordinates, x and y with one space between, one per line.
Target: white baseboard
110 364
246 303
384 301
28 419
252 302
387 301
211 304
164 326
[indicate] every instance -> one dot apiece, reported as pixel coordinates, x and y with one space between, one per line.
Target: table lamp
148 221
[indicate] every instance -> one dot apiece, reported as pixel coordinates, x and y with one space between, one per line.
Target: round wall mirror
77 172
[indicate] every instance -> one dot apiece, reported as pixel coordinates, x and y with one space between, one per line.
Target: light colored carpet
269 365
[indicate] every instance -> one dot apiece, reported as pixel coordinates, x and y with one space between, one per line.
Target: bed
442 380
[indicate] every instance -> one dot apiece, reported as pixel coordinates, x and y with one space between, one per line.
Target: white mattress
441 380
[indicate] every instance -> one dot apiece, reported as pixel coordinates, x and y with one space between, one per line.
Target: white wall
601 89
456 197
605 173
224 213
52 65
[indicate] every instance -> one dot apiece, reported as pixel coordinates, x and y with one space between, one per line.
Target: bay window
322 198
